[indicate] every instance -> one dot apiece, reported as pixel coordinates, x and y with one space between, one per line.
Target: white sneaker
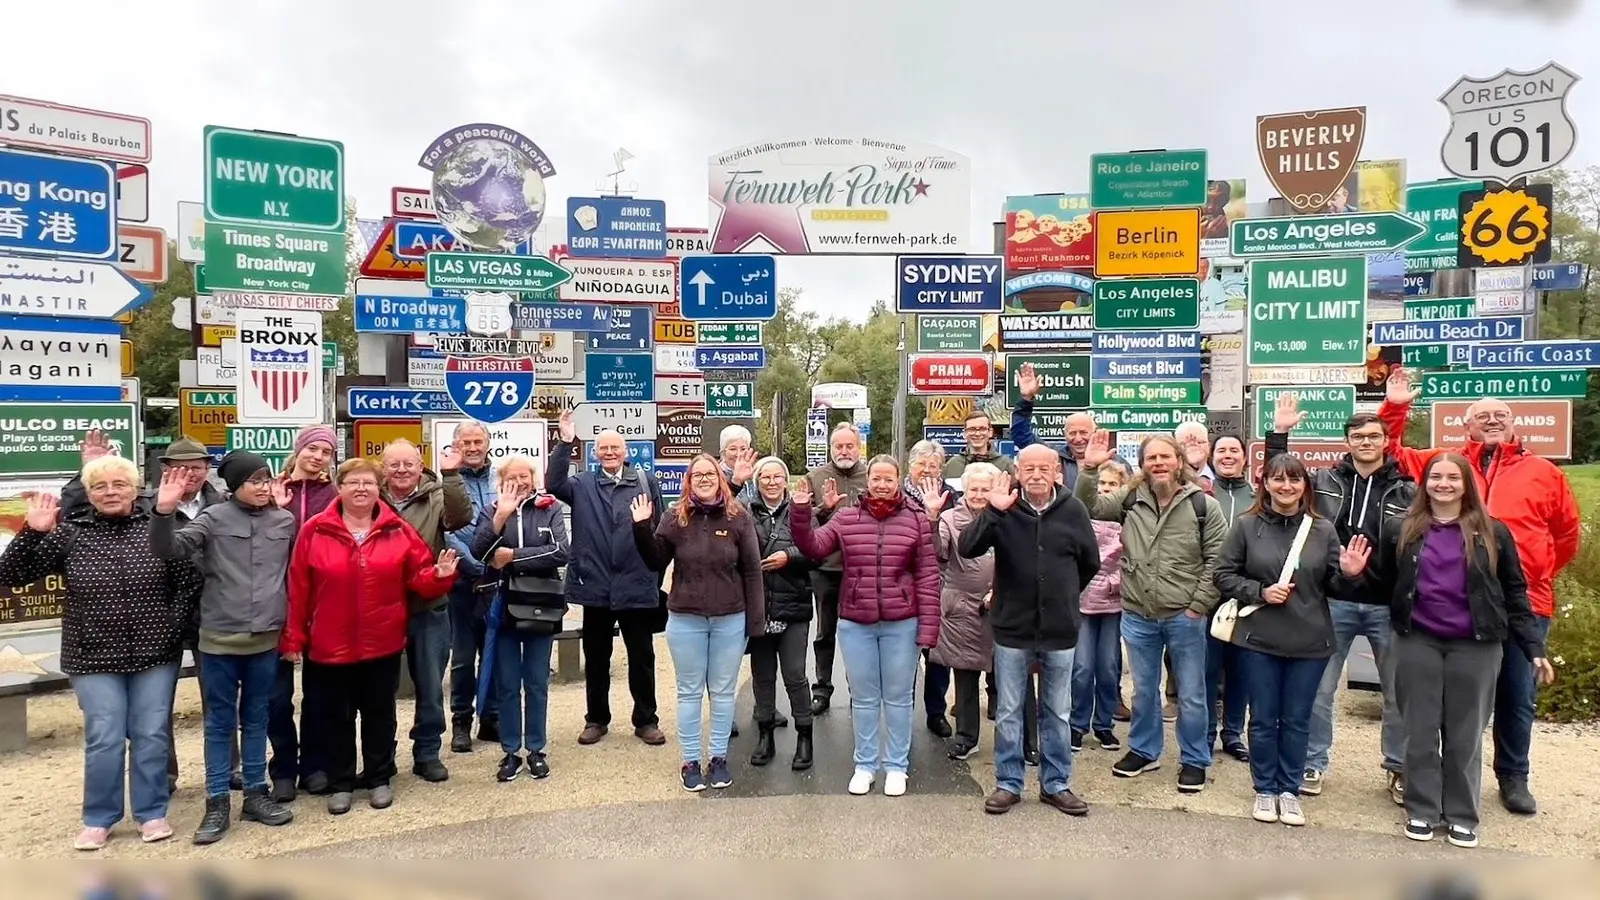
894 784
860 782
1289 811
1266 809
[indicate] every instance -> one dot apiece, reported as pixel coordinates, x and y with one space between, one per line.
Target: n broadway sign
1324 235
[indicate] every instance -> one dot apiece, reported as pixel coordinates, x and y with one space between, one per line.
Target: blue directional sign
57 205
399 403
728 288
641 454
950 437
415 239
671 476
1418 283
489 388
1146 342
1447 331
389 314
950 284
630 330
616 227
619 377
1143 368
1536 355
563 316
1558 277
730 358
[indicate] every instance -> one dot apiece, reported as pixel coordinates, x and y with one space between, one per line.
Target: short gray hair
976 469
469 425
926 448
1189 427
401 444
733 433
844 426
518 459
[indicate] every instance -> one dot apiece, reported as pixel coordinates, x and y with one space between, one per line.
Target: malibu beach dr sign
840 195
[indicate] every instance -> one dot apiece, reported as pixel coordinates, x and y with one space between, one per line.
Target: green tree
1575 237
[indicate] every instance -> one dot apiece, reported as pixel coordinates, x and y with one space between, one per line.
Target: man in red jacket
1531 496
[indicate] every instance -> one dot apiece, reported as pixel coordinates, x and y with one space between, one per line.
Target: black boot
461 735
258 807
216 820
489 729
779 720
819 704
764 749
802 748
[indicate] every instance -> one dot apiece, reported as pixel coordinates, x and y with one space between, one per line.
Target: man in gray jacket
242 548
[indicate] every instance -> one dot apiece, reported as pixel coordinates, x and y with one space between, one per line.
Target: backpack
1196 500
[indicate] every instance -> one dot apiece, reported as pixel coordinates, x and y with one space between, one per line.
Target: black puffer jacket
788 588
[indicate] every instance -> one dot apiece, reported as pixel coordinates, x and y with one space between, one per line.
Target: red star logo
921 187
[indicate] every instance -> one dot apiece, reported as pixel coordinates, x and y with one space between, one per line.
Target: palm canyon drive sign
1308 155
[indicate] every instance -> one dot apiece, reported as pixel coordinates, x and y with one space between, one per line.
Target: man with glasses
979 432
1366 487
1531 496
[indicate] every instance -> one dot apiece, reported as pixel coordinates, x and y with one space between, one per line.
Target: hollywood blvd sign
1323 235
261 178
494 272
950 373
950 284
1308 312
68 289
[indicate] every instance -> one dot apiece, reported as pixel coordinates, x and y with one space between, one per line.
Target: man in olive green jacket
1172 534
433 505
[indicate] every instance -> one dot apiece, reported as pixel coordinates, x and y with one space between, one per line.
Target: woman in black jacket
786 574
1456 592
1284 632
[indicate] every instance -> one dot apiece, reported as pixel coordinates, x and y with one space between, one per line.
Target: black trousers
638 638
768 654
935 687
967 712
296 752
344 692
825 586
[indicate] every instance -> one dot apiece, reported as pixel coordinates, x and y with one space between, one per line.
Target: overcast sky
1026 89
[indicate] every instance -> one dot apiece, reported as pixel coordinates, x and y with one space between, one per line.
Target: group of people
1036 574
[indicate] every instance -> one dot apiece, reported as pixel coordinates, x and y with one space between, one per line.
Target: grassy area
1585 481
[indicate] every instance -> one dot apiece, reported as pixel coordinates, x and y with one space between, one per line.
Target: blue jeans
1185 636
1223 682
1055 702
706 652
522 673
880 663
238 695
427 655
127 720
1514 697
1349 620
1282 691
466 644
1096 672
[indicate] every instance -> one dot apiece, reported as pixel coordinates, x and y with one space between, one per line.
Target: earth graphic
489 194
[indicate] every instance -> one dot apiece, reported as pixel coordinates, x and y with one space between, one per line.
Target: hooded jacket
966 640
1234 495
890 573
850 485
1355 503
1528 493
1253 559
1022 434
957 464
605 568
1102 596
788 589
243 553
1167 556
1043 560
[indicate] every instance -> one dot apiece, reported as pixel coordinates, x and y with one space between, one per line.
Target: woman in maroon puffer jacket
888 608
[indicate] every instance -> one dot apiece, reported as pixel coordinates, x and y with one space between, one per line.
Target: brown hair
1362 420
685 504
357 466
1183 475
1291 466
1474 519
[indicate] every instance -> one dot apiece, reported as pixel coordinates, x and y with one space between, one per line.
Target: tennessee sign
950 284
951 373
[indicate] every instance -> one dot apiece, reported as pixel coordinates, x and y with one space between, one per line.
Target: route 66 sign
1509 126
488 312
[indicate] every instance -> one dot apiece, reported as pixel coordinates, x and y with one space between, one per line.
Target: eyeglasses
703 476
1365 438
102 487
1492 417
260 481
365 483
979 429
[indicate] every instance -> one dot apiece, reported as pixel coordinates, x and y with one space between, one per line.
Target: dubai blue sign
734 287
616 227
398 403
389 314
57 205
562 316
730 358
1143 368
950 284
1558 277
630 330
619 377
489 388
1536 355
641 454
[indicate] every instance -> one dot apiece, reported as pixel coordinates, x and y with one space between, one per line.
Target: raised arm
657 544
168 541
815 541
1394 412
457 502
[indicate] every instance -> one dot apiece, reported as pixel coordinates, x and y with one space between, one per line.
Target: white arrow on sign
75 290
701 280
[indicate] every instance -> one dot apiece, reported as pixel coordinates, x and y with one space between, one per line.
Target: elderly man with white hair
738 457
608 578
1195 441
435 505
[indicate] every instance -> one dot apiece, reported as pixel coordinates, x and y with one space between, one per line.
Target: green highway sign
1146 393
42 439
202 287
493 272
937 333
274 260
1434 356
1063 379
1149 178
273 443
1307 312
1327 408
1138 304
1323 235
1436 206
1158 419
1551 384
261 178
716 333
730 399
330 355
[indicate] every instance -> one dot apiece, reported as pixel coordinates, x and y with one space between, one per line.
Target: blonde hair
518 459
359 465
977 468
107 467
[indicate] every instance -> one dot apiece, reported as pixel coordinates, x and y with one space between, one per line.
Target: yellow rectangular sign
372 436
675 331
1147 242
206 414
214 335
127 359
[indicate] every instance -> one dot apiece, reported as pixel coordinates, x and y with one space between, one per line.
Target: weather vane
620 160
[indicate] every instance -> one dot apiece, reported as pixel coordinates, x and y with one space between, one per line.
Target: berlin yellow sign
1147 242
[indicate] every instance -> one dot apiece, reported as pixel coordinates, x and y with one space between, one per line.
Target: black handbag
528 607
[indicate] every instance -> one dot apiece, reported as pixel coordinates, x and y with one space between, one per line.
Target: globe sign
489 194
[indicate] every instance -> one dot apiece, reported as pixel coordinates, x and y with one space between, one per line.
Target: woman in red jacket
353 568
888 608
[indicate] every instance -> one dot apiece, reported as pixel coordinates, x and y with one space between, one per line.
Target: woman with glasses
121 640
786 577
925 487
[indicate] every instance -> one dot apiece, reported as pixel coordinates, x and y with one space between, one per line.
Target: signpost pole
898 421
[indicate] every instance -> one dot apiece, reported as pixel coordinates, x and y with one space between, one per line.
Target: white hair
106 468
1037 450
469 425
1186 428
926 448
518 459
733 433
842 427
975 469
609 433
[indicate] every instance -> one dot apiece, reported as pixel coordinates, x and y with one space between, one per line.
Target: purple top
1441 608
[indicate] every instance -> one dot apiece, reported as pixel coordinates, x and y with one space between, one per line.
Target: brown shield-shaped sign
1309 155
679 432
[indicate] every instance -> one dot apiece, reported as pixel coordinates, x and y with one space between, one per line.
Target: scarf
881 507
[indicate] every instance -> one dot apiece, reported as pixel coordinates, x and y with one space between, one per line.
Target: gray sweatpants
1445 689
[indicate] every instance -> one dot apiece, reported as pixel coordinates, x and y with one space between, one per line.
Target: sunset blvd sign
1323 235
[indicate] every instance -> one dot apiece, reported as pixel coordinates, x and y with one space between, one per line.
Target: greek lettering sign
1308 312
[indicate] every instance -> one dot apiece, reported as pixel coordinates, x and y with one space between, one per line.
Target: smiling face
611 451
1079 427
737 449
472 443
1446 483
402 469
1287 490
516 475
926 466
1490 422
978 431
978 486
257 491
705 480
883 481
1227 457
313 459
1366 442
194 474
113 493
358 492
772 482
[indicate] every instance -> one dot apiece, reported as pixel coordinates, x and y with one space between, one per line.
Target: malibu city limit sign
1308 312
262 178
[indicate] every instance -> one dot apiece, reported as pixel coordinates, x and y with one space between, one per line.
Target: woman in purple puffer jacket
888 608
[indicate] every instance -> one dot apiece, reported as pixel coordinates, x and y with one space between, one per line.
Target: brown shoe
1169 712
1067 802
1123 713
650 734
1000 802
592 734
